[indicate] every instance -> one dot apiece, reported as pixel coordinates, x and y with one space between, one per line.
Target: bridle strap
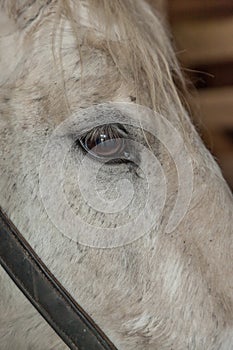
49 297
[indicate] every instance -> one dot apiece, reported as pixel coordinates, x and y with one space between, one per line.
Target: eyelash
106 142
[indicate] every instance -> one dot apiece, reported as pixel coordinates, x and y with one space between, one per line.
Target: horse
104 173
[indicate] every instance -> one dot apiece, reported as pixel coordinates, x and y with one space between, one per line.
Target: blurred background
203 34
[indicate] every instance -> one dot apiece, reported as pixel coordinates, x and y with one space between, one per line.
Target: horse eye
105 142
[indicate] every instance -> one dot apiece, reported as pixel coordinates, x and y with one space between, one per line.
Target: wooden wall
203 34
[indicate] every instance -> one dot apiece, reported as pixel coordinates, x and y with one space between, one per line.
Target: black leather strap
49 297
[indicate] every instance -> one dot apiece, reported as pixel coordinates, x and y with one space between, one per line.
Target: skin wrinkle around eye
86 119
88 122
92 119
109 172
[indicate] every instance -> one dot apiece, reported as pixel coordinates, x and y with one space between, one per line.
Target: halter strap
75 327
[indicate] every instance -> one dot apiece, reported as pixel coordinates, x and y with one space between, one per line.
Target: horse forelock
143 45
130 33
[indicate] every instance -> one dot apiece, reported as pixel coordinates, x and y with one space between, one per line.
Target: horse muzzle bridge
49 297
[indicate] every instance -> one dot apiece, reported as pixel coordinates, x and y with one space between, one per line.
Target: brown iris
105 141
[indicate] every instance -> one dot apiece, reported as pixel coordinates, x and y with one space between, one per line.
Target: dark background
203 35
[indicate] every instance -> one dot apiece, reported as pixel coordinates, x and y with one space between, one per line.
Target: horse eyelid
117 130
